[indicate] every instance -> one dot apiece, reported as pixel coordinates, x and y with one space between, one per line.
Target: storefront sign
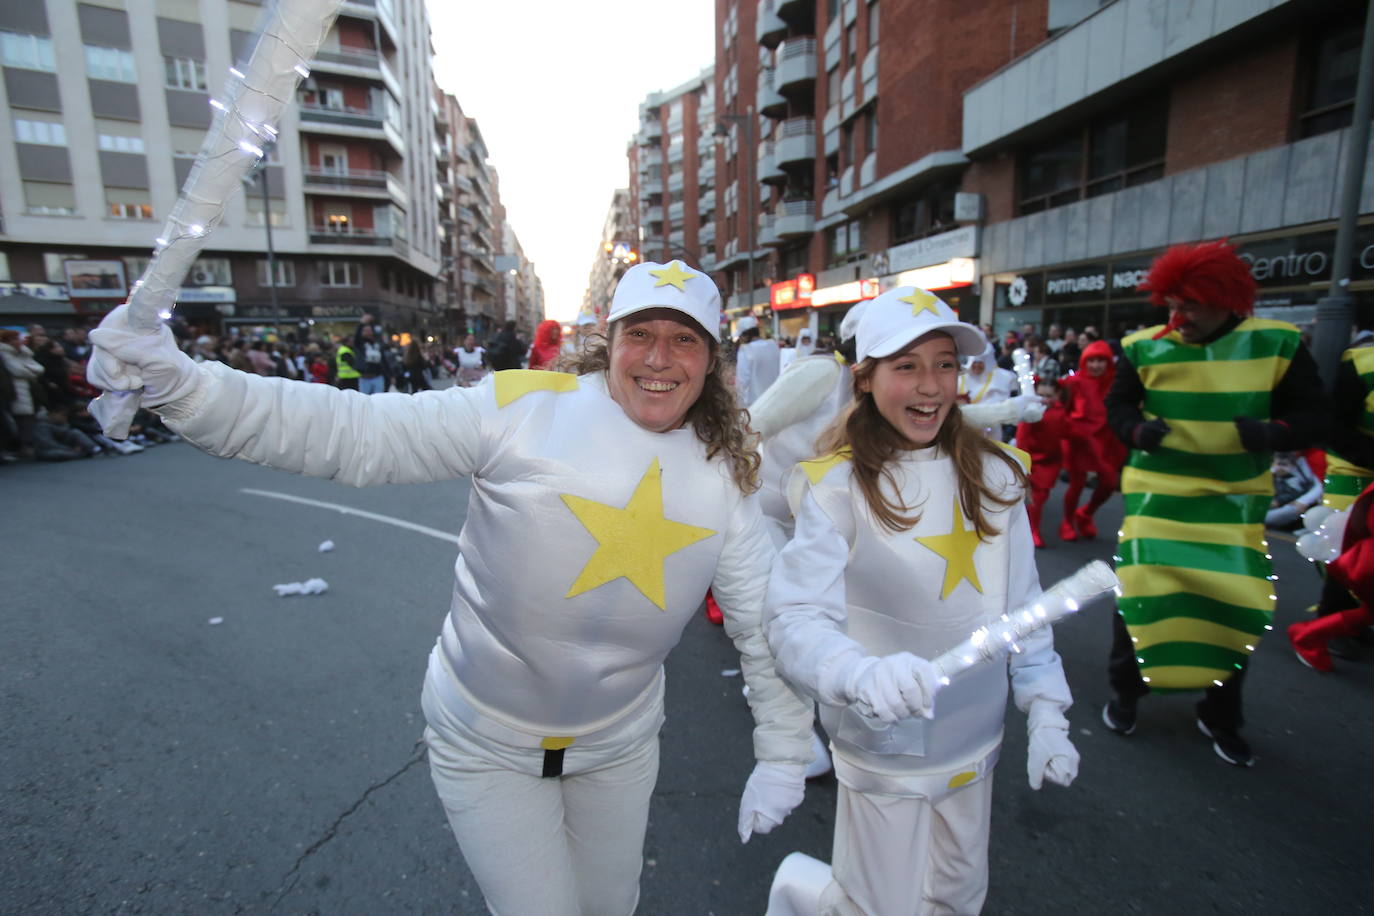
846 292
792 294
954 272
959 243
95 279
1078 284
36 290
206 294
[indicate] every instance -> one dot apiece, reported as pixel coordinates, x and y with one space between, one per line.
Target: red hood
1098 349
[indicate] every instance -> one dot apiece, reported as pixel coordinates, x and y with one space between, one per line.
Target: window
54 264
873 23
871 130
185 73
928 212
844 240
341 273
49 198
832 87
847 144
337 220
1334 69
210 272
48 133
117 144
1118 151
255 210
283 273
29 52
110 64
131 211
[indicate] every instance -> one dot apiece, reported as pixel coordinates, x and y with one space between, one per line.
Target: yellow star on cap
922 301
673 275
633 542
957 548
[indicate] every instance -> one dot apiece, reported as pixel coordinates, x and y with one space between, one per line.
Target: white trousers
561 846
895 857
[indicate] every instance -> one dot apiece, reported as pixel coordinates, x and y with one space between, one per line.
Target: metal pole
749 196
271 256
1336 310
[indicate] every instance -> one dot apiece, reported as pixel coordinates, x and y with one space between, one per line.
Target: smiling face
659 362
1196 322
1095 366
915 388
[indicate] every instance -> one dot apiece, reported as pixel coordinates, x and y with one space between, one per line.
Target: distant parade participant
909 536
1043 441
547 346
757 360
472 362
1090 447
1204 401
1350 444
983 383
603 505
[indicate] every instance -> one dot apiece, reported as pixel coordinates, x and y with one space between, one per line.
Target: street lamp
720 133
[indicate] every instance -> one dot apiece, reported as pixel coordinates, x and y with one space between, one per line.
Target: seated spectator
55 440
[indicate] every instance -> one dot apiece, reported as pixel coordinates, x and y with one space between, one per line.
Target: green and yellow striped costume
1194 565
1346 480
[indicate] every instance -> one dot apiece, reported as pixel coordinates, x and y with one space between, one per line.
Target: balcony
768 26
769 173
706 203
796 68
706 236
676 210
794 217
648 186
768 234
365 63
651 129
675 181
344 121
466 215
675 153
787 7
770 101
652 214
356 238
707 173
796 141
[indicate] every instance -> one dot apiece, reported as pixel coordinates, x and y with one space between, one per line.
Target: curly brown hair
718 419
873 444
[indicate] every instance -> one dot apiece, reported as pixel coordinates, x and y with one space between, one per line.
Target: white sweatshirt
845 587
588 545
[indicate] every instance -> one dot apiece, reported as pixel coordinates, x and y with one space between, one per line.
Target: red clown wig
1209 273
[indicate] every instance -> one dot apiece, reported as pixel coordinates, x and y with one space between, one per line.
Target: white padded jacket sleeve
805 612
323 431
782 718
1036 672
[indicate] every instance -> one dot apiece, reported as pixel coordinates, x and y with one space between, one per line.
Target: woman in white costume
909 535
603 505
984 383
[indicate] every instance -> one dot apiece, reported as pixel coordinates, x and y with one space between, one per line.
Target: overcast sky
555 86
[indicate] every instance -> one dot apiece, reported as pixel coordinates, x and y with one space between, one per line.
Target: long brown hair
873 444
716 417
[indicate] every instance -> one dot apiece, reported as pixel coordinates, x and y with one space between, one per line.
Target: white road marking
361 513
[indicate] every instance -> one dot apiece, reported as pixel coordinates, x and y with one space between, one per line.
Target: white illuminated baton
1002 637
1025 372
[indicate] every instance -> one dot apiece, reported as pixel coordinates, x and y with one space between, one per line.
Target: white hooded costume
847 597
588 544
757 363
988 385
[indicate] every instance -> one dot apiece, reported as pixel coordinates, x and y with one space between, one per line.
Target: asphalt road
155 763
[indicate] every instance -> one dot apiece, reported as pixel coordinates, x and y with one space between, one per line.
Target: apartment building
520 289
673 174
1028 160
106 106
615 253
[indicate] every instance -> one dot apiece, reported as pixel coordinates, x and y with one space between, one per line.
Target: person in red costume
548 344
1089 446
1354 569
1043 441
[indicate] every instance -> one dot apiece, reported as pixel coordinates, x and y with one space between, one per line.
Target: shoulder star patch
817 468
633 542
673 275
513 384
957 548
922 301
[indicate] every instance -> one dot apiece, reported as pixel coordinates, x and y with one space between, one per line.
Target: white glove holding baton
126 360
894 687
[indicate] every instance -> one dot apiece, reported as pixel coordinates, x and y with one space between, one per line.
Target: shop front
945 264
791 302
1292 269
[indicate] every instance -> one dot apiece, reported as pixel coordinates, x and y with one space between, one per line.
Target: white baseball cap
899 316
747 323
674 285
584 318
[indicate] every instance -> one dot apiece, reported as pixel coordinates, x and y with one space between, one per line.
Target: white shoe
820 758
127 448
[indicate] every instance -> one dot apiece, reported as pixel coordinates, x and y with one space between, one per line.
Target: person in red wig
1203 401
548 344
1090 446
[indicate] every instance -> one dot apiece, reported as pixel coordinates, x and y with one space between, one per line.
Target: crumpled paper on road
308 587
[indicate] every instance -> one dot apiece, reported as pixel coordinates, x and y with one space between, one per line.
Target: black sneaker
1119 716
1229 745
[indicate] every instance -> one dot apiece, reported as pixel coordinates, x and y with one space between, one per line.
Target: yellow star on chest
957 548
922 301
633 542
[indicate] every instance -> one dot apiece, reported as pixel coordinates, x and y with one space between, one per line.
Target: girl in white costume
910 534
602 507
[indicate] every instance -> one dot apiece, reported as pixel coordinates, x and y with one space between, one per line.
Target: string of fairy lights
246 115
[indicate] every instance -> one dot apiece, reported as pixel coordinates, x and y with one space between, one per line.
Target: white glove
894 687
125 358
1051 754
771 793
1032 408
